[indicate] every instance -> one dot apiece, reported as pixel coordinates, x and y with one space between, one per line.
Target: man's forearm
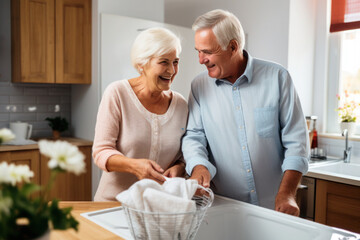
290 182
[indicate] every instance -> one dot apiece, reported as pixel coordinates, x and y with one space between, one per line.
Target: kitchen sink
230 219
349 169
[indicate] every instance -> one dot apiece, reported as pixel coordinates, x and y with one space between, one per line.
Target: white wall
301 49
86 98
265 22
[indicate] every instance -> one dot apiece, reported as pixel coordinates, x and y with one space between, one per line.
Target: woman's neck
147 94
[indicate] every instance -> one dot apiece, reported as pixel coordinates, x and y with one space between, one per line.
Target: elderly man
246 130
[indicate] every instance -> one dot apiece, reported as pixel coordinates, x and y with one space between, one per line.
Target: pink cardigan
124 126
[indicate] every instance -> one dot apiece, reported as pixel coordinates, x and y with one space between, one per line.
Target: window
344 60
344 74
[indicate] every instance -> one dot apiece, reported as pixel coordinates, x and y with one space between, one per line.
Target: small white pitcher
21 130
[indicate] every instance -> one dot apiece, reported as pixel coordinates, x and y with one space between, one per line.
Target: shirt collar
247 75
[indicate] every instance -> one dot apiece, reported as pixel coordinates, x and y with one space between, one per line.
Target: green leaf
30 188
62 218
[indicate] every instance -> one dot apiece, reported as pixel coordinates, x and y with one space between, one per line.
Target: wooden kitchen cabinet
51 41
27 157
67 187
338 205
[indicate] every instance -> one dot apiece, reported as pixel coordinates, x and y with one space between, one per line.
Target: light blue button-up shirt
247 133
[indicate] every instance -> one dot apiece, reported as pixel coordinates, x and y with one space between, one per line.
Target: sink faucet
347 151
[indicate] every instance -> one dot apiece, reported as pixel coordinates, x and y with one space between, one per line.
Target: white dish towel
173 196
172 187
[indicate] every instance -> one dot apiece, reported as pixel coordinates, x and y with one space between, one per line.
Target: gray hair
153 42
225 25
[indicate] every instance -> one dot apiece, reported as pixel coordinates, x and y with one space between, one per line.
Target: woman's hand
178 170
145 168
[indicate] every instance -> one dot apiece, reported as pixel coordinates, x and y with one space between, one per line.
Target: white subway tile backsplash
42 116
336 147
4 99
61 107
11 91
66 99
22 99
60 91
11 108
41 125
39 133
35 91
4 117
38 108
23 117
4 84
66 115
49 99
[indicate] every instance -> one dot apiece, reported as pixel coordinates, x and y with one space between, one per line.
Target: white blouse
124 126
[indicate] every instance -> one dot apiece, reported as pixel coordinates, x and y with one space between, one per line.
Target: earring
141 69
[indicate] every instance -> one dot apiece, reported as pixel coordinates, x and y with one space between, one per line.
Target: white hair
225 25
153 42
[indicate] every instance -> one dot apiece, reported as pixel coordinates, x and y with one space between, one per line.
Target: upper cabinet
51 41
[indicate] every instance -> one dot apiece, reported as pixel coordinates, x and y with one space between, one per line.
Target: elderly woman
141 121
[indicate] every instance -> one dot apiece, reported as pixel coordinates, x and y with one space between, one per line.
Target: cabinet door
28 157
338 205
73 41
33 41
68 186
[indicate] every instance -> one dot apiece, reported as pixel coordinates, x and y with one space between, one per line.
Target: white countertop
331 176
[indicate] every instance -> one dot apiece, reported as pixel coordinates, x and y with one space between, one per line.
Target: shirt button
252 190
248 170
238 107
234 88
243 147
241 127
156 133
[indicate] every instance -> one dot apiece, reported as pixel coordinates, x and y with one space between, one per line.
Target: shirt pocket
265 121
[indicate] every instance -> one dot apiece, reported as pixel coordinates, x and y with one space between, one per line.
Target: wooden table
88 230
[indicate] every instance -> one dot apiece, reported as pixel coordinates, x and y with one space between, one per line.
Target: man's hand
202 175
285 198
286 203
178 170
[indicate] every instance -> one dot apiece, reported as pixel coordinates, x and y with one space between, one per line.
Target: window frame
333 83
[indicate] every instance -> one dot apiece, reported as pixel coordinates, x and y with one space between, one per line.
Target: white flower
6 135
13 174
63 155
4 173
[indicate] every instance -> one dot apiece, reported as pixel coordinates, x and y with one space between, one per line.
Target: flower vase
350 126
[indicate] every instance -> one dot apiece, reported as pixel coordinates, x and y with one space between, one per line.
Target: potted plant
347 112
58 125
24 215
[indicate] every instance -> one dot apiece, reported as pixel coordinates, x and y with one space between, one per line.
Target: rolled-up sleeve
194 142
293 128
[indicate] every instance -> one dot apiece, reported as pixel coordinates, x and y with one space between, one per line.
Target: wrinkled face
161 71
216 60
